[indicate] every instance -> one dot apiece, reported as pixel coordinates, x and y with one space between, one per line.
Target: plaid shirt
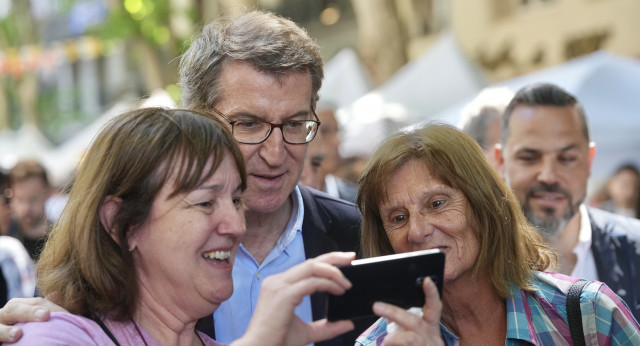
539 317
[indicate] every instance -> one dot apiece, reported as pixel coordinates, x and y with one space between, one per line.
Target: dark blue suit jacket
329 224
615 242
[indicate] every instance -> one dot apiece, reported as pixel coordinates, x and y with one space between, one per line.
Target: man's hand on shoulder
23 310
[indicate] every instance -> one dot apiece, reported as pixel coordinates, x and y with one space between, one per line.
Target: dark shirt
4 294
329 224
34 246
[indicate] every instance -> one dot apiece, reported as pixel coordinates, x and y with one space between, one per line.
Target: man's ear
108 211
592 152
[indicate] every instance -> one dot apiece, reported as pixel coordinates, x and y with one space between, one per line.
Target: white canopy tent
345 79
441 76
608 86
26 142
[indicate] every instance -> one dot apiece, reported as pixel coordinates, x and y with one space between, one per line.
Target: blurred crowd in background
66 67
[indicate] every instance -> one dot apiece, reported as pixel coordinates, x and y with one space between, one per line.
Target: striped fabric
539 317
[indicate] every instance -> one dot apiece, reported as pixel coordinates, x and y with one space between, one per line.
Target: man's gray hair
483 111
269 43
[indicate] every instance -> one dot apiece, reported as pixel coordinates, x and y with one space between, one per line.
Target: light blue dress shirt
233 316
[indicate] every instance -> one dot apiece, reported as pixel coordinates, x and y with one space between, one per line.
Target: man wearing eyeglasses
261 73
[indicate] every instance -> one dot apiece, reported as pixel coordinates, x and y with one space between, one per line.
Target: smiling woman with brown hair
146 243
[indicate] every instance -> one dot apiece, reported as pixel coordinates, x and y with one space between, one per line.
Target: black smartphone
395 279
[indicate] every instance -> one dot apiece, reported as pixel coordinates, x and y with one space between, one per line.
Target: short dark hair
476 127
485 110
25 169
270 43
628 167
543 94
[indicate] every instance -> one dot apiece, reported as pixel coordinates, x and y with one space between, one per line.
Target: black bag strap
574 316
106 330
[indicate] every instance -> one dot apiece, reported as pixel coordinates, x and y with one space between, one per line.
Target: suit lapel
314 228
610 251
315 225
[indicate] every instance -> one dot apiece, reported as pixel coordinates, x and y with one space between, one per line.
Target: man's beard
548 224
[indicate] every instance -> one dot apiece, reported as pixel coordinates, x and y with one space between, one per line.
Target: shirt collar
295 222
584 236
585 228
585 266
517 324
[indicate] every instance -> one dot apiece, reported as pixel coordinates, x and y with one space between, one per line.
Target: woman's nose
419 229
233 222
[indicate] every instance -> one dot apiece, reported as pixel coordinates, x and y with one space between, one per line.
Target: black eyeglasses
257 131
